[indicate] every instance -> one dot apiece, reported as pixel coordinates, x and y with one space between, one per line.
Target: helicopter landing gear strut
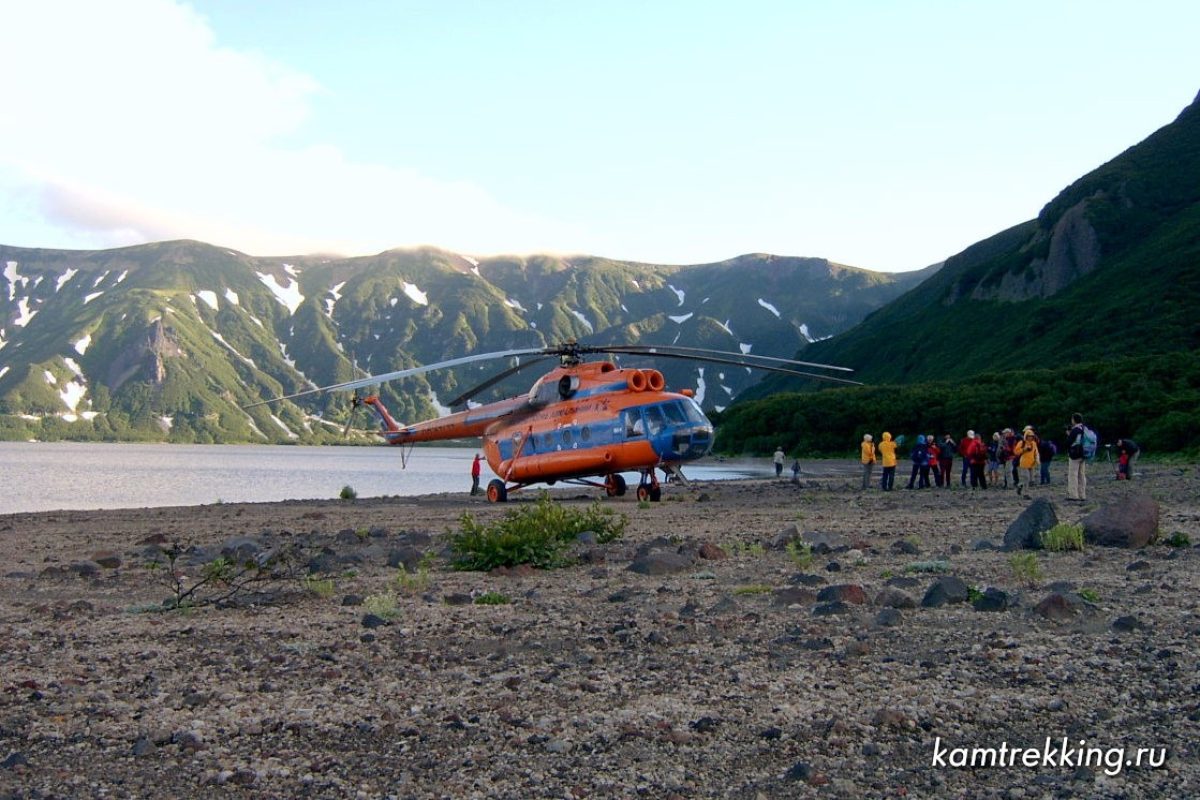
648 488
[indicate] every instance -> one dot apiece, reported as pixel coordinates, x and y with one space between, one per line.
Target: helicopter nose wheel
649 489
497 492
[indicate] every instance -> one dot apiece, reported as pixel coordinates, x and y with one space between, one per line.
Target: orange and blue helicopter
583 422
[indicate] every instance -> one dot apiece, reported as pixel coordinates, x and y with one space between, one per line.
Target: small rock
905 547
712 552
799 771
107 559
1056 607
844 593
1127 624
661 563
889 618
830 609
993 599
891 597
15 759
373 621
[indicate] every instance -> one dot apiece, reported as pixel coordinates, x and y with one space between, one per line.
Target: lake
47 476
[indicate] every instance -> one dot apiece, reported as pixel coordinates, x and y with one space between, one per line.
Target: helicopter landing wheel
497 492
647 493
614 485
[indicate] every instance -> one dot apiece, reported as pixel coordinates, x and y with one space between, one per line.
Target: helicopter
583 422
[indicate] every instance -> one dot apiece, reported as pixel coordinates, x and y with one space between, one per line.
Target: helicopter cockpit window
694 413
654 420
674 413
632 418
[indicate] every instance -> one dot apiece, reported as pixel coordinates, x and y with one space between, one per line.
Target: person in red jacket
964 447
977 457
475 474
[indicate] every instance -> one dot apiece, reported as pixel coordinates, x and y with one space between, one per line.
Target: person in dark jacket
946 452
920 462
1047 450
1127 454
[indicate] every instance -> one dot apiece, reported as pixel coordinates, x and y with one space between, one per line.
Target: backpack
1090 442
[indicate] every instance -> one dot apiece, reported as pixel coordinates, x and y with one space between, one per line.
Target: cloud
131 123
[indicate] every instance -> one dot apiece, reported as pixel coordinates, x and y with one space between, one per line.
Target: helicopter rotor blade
738 363
492 381
675 350
405 373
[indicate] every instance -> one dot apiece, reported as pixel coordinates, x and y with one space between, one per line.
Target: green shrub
974 594
416 581
382 605
1063 537
1179 539
1025 568
492 599
800 553
348 493
535 535
935 567
1091 595
321 587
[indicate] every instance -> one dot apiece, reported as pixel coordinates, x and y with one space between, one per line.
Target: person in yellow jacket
887 457
1026 451
868 459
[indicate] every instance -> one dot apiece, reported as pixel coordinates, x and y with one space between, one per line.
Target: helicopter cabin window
674 413
654 420
566 435
548 441
632 418
585 434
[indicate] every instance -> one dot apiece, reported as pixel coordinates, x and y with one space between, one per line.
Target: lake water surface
46 476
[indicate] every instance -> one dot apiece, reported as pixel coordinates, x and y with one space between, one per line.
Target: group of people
1023 459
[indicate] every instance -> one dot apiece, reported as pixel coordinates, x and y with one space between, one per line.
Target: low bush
1025 568
492 599
536 535
1063 537
348 493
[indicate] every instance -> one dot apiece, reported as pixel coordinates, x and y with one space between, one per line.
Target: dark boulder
944 591
1026 530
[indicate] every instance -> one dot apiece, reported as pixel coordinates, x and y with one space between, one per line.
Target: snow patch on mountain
330 302
442 411
231 348
678 293
50 379
24 313
415 294
81 344
290 434
62 279
290 270
12 276
288 296
72 392
94 295
4 370
745 348
700 385
508 301
725 327
73 365
166 422
100 280
768 306
123 276
209 297
582 319
682 319
232 297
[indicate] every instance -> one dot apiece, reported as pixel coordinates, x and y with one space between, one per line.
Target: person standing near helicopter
475 474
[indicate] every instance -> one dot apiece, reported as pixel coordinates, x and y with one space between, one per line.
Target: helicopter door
631 423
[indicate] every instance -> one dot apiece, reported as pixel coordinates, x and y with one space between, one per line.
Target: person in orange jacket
868 459
887 457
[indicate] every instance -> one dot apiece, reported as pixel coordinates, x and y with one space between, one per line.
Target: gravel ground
732 669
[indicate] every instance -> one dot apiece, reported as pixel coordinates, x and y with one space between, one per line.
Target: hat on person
970 434
866 437
1028 429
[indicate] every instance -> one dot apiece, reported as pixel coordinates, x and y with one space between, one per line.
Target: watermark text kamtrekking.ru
1056 753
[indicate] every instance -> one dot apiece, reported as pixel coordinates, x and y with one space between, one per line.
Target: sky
884 135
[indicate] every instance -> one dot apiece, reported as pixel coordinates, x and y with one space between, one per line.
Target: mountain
1109 268
170 340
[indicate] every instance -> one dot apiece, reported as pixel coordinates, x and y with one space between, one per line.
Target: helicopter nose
692 443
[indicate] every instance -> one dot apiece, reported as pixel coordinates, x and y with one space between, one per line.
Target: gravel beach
697 656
